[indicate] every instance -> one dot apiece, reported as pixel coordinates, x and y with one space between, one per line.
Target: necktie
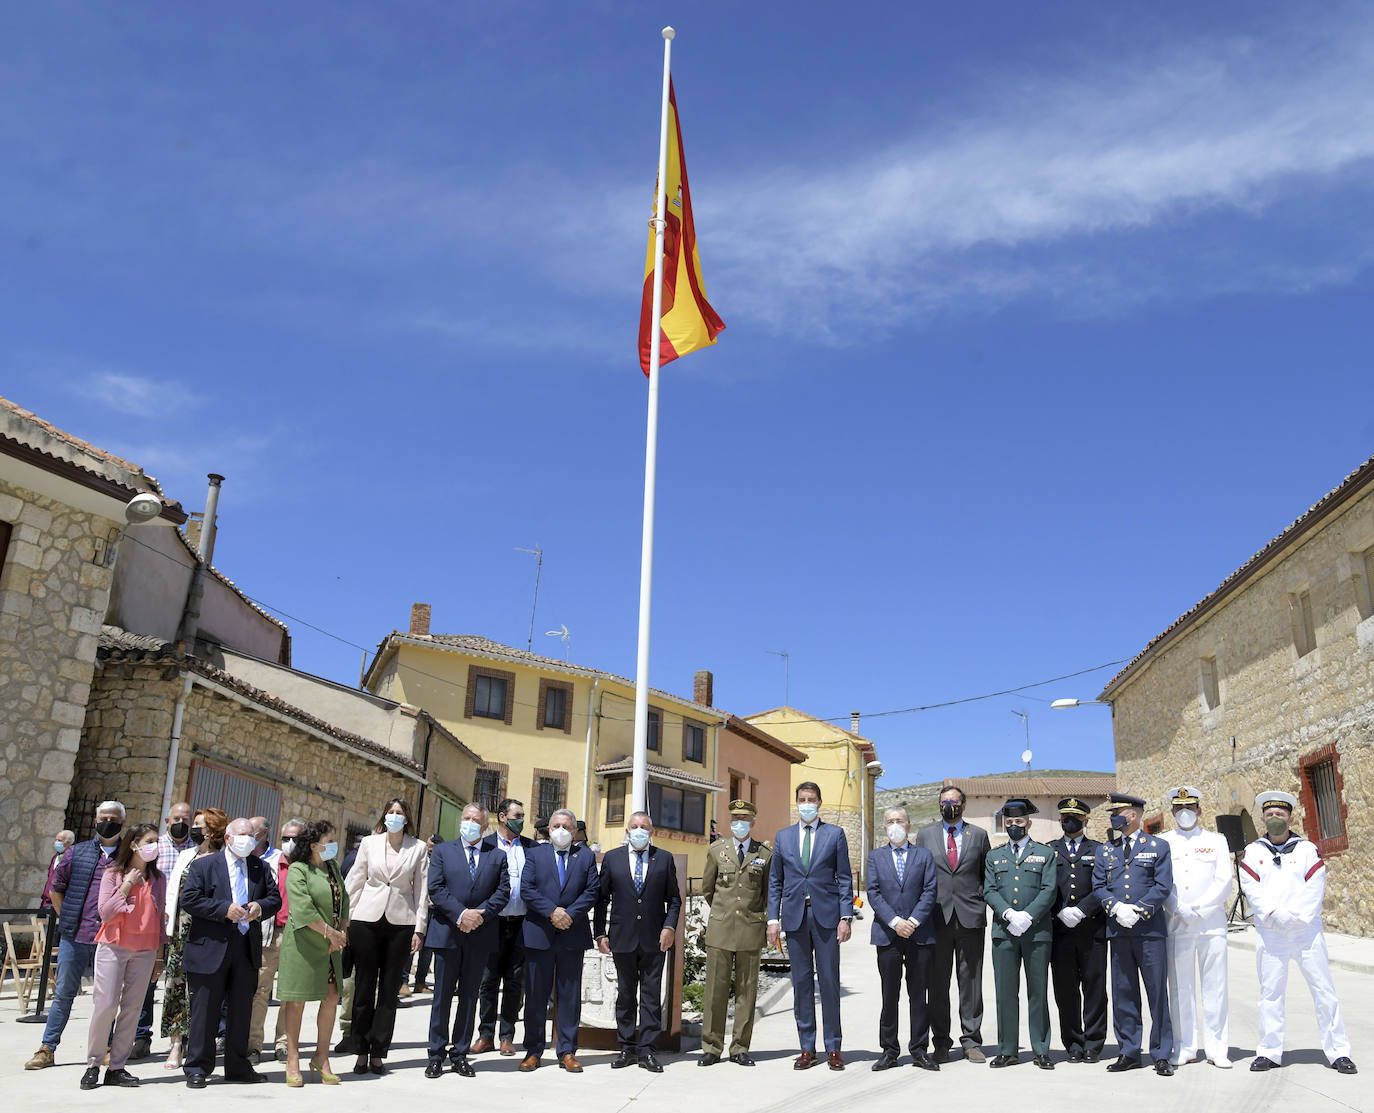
639 871
741 852
562 868
1016 850
472 860
1073 848
241 892
901 864
952 849
806 852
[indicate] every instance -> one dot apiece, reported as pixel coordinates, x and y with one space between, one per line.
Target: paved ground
1304 1084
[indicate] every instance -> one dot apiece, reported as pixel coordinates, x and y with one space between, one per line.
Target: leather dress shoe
1164 1067
379 1067
834 1061
886 1062
975 1055
481 1045
569 1063
463 1067
1344 1065
626 1058
940 1055
649 1061
743 1059
1043 1062
1003 1061
195 1082
1091 1056
923 1061
91 1079
1075 1055
1124 1063
507 1047
805 1061
1261 1063
248 1077
529 1063
120 1077
708 1059
434 1068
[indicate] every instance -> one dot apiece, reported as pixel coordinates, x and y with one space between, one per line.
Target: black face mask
951 812
1071 826
108 828
1016 831
197 835
178 831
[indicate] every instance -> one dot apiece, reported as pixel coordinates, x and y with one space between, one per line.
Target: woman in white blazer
388 893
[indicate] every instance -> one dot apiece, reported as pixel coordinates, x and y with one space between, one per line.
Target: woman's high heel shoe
295 1081
325 1077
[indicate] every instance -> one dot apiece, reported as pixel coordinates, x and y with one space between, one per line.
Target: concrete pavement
1305 1082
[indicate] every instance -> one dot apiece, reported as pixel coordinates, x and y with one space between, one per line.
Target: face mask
197 835
288 847
639 838
740 828
329 851
178 831
108 828
243 845
1120 823
1277 826
1186 819
393 822
148 852
1016 831
561 837
1071 826
59 847
514 826
808 812
896 834
469 830
950 813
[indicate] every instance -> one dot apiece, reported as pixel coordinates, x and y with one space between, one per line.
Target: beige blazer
397 891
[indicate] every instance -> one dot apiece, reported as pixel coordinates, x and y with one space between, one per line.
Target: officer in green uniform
735 885
1019 886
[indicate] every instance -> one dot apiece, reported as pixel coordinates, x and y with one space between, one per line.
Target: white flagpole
639 787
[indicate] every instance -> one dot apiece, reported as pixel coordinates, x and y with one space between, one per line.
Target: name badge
1146 854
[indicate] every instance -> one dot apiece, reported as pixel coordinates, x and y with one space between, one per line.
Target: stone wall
1275 708
52 602
127 735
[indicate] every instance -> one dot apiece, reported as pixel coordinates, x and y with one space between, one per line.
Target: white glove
1018 922
1189 912
1070 916
1125 915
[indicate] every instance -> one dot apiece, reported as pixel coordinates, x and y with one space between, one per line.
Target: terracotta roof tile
626 765
1058 787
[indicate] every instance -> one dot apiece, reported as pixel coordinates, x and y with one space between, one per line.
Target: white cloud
136 395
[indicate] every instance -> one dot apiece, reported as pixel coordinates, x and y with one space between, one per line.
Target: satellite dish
1026 756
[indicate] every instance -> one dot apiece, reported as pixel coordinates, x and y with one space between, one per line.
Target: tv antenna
538 555
563 635
1026 753
786 674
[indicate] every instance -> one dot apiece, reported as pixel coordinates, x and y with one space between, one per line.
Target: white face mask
740 828
243 845
561 837
1186 819
394 821
896 834
288 847
808 812
639 838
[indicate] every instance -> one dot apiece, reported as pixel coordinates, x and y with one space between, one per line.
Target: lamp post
1065 704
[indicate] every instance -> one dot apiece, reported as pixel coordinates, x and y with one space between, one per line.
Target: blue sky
1040 322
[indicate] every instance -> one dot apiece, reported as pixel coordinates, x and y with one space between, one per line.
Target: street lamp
1065 704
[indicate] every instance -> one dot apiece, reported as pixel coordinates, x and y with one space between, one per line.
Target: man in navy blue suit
811 898
227 896
559 887
468 887
639 886
902 891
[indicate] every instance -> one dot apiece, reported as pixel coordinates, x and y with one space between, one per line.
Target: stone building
1268 682
62 506
986 795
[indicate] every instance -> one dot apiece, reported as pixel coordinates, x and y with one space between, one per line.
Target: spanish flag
688 321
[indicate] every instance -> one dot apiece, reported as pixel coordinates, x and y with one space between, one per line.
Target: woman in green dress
311 966
207 832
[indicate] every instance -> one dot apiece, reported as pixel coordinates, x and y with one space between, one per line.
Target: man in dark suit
960 852
1078 954
811 897
226 895
639 886
559 887
468 887
902 891
505 974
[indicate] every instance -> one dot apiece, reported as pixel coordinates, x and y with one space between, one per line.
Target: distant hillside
922 802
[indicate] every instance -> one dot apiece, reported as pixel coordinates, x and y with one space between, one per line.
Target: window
753 790
1211 692
1322 795
693 742
1321 778
555 702
1364 590
550 792
676 809
1304 628
491 694
735 786
234 794
486 789
655 731
615 800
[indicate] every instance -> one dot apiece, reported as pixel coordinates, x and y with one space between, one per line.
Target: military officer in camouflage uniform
1019 886
735 885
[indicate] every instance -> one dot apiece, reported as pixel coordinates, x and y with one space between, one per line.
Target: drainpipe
420 806
587 774
174 750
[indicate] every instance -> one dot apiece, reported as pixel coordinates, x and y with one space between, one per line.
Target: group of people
223 915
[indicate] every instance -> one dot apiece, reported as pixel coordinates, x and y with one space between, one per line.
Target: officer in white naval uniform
1197 932
1284 879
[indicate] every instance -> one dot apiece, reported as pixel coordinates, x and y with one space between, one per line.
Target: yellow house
842 762
556 735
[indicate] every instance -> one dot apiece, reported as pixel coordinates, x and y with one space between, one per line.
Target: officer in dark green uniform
735 884
1019 886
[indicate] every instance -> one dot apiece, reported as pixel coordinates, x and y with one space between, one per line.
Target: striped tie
901 865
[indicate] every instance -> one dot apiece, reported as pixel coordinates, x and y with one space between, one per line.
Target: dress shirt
169 850
237 865
742 849
958 829
515 866
904 849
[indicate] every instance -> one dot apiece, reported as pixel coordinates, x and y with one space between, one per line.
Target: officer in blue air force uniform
1132 877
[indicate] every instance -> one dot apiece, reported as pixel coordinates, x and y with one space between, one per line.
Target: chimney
853 722
419 619
193 526
703 687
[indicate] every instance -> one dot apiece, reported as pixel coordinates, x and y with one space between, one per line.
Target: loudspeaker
1231 827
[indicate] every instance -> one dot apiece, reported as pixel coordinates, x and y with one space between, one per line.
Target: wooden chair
24 968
